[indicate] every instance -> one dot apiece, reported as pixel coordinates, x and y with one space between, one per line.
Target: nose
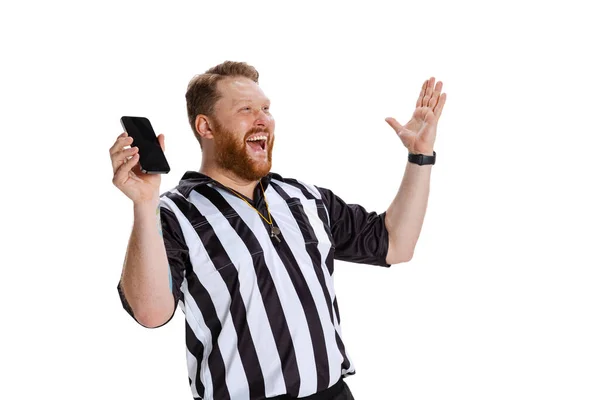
260 123
262 119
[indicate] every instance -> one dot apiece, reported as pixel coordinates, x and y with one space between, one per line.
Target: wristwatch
421 159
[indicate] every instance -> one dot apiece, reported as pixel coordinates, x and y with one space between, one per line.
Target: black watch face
422 159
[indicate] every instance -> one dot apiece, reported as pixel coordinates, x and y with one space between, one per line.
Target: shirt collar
194 179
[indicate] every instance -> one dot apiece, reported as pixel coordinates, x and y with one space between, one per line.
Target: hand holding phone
141 188
151 157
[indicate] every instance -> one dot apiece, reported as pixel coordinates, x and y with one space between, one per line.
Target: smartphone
152 159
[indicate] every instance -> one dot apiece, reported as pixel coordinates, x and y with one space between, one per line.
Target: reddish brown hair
202 93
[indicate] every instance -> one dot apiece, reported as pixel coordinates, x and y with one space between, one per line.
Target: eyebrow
247 100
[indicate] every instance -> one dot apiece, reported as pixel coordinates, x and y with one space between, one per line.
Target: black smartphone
152 158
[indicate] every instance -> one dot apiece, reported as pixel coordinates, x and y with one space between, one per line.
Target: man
248 254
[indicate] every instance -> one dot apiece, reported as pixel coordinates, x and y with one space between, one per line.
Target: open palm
418 134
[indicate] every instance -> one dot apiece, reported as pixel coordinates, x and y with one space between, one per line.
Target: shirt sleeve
359 236
177 256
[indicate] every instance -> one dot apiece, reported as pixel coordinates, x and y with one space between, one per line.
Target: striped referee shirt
261 315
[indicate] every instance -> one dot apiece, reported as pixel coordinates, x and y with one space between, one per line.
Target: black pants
339 391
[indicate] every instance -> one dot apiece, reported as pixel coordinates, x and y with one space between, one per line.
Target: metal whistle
275 232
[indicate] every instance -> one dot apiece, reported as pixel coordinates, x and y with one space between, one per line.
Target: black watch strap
421 159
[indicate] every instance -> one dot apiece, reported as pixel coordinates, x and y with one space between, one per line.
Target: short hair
202 93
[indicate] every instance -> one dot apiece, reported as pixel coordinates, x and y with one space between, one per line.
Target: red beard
232 154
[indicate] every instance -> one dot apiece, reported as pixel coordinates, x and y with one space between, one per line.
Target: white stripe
313 190
196 322
309 188
324 242
193 315
303 258
235 376
192 364
292 308
266 347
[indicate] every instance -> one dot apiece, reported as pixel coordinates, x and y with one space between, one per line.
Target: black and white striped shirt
262 317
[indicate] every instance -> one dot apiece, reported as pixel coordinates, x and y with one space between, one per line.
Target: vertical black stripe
309 236
205 304
245 344
302 188
337 310
346 362
266 286
328 261
315 255
310 310
195 347
321 211
320 204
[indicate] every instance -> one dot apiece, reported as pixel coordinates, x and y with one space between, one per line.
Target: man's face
243 129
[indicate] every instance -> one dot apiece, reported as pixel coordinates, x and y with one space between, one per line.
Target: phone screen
152 158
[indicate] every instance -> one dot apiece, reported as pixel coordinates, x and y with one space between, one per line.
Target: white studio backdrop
501 299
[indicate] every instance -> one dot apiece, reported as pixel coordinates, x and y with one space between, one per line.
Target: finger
428 92
422 94
436 95
430 84
440 105
122 156
394 124
122 173
121 142
161 141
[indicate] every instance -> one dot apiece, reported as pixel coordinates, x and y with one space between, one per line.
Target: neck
229 179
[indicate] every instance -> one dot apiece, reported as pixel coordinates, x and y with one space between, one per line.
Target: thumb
394 124
161 141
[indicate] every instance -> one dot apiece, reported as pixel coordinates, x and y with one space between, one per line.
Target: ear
202 126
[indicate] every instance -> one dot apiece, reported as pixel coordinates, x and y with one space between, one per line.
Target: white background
501 300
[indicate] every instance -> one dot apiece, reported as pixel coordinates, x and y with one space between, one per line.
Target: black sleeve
359 236
177 255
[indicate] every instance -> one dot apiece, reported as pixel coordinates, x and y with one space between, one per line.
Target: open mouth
257 143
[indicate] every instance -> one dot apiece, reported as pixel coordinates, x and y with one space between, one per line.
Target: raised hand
418 135
127 175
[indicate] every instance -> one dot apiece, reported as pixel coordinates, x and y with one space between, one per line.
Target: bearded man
248 255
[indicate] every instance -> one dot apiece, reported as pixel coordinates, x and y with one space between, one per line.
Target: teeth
254 139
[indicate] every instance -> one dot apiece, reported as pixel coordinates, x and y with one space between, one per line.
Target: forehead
236 89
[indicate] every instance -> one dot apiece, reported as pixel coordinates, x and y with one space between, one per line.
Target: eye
266 108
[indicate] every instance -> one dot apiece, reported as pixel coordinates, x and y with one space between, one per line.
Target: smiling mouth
257 145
